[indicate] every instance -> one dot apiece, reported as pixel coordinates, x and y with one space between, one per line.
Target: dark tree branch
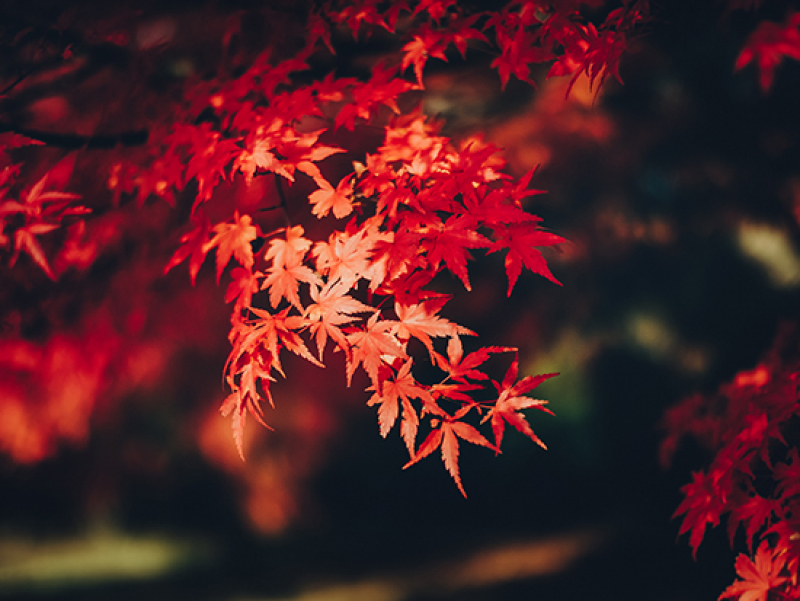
75 141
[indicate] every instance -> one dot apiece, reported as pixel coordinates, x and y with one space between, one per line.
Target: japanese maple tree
415 206
342 221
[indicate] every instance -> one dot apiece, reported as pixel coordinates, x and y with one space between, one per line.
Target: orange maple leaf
260 157
759 577
370 344
421 321
332 307
338 201
272 333
290 251
233 239
446 434
245 397
345 257
283 281
393 391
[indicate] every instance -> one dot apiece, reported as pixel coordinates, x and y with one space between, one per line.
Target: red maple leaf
255 353
318 29
25 240
517 58
260 156
461 368
703 503
436 9
382 89
362 12
595 52
460 30
754 512
521 240
193 244
511 400
417 51
243 286
769 44
787 476
42 211
428 42
519 45
41 203
449 243
210 157
302 150
503 205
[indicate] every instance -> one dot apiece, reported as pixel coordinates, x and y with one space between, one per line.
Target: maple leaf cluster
420 206
29 213
417 206
753 479
413 207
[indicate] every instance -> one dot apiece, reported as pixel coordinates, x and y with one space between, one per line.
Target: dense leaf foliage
416 205
354 223
750 429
